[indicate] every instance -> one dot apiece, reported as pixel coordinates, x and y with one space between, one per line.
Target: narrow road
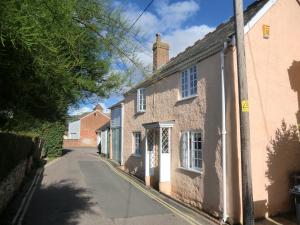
81 189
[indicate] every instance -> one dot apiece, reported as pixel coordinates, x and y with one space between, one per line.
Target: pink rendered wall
273 68
201 190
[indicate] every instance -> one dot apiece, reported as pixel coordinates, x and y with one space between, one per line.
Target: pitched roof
211 44
79 117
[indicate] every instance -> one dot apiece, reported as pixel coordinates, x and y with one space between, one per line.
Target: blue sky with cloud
180 22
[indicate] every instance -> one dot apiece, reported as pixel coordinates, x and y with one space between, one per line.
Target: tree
54 53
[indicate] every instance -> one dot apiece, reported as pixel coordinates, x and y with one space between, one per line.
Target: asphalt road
81 189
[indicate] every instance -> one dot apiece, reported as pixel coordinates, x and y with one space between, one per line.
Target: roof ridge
219 31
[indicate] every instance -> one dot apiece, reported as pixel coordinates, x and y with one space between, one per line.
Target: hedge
13 150
52 135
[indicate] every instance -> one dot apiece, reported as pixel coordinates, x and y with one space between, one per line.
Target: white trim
165 124
94 112
187 98
141 108
259 15
187 71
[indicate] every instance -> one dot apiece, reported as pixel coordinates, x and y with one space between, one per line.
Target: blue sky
180 23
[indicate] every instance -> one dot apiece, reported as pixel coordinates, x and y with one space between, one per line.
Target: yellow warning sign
245 106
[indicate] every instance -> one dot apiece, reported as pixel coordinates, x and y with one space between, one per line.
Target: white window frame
188 82
187 151
137 146
141 100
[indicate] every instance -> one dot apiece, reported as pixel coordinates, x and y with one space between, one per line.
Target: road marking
25 201
186 217
30 197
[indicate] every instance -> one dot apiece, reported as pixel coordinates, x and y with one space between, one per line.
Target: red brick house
82 129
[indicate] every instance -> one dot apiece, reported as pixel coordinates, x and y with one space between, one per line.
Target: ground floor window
191 150
137 143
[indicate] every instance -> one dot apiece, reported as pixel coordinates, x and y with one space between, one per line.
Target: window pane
137 142
189 82
141 100
184 150
196 144
193 80
184 84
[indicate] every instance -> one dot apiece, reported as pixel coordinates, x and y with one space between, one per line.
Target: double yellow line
184 216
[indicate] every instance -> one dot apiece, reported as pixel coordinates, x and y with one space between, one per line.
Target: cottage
180 128
82 129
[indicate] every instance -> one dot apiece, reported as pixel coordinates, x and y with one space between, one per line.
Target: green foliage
13 150
52 134
55 53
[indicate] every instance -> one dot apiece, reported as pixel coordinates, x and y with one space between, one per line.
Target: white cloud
173 15
170 20
81 110
180 39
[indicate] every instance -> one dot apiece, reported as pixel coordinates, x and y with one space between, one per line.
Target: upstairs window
141 100
191 150
137 143
189 82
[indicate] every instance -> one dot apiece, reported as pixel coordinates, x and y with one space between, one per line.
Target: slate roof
211 44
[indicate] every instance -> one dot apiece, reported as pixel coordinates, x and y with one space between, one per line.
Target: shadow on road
66 151
59 203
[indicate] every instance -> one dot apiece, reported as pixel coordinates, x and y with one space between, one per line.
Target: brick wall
88 127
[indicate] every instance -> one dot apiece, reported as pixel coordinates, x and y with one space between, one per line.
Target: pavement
79 188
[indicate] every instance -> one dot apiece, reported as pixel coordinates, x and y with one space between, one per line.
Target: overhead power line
137 19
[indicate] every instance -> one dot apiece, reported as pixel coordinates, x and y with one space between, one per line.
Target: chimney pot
158 37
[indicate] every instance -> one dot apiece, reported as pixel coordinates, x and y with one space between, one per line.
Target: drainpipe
122 134
224 132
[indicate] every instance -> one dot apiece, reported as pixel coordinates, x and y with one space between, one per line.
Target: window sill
191 170
140 112
136 155
187 98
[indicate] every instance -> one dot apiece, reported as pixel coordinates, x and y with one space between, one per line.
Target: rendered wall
273 68
201 190
74 130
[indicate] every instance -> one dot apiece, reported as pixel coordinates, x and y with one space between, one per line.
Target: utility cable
137 19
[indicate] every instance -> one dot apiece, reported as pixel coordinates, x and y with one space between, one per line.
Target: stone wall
13 181
17 156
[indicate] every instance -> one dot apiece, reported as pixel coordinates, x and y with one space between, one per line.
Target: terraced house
180 128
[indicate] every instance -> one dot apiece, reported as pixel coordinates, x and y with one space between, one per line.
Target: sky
180 22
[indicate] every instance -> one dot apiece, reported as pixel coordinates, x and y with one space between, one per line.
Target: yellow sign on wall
245 106
266 31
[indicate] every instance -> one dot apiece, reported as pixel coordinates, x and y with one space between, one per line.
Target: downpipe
224 134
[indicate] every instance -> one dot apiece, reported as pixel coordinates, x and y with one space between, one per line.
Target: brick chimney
98 107
160 53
